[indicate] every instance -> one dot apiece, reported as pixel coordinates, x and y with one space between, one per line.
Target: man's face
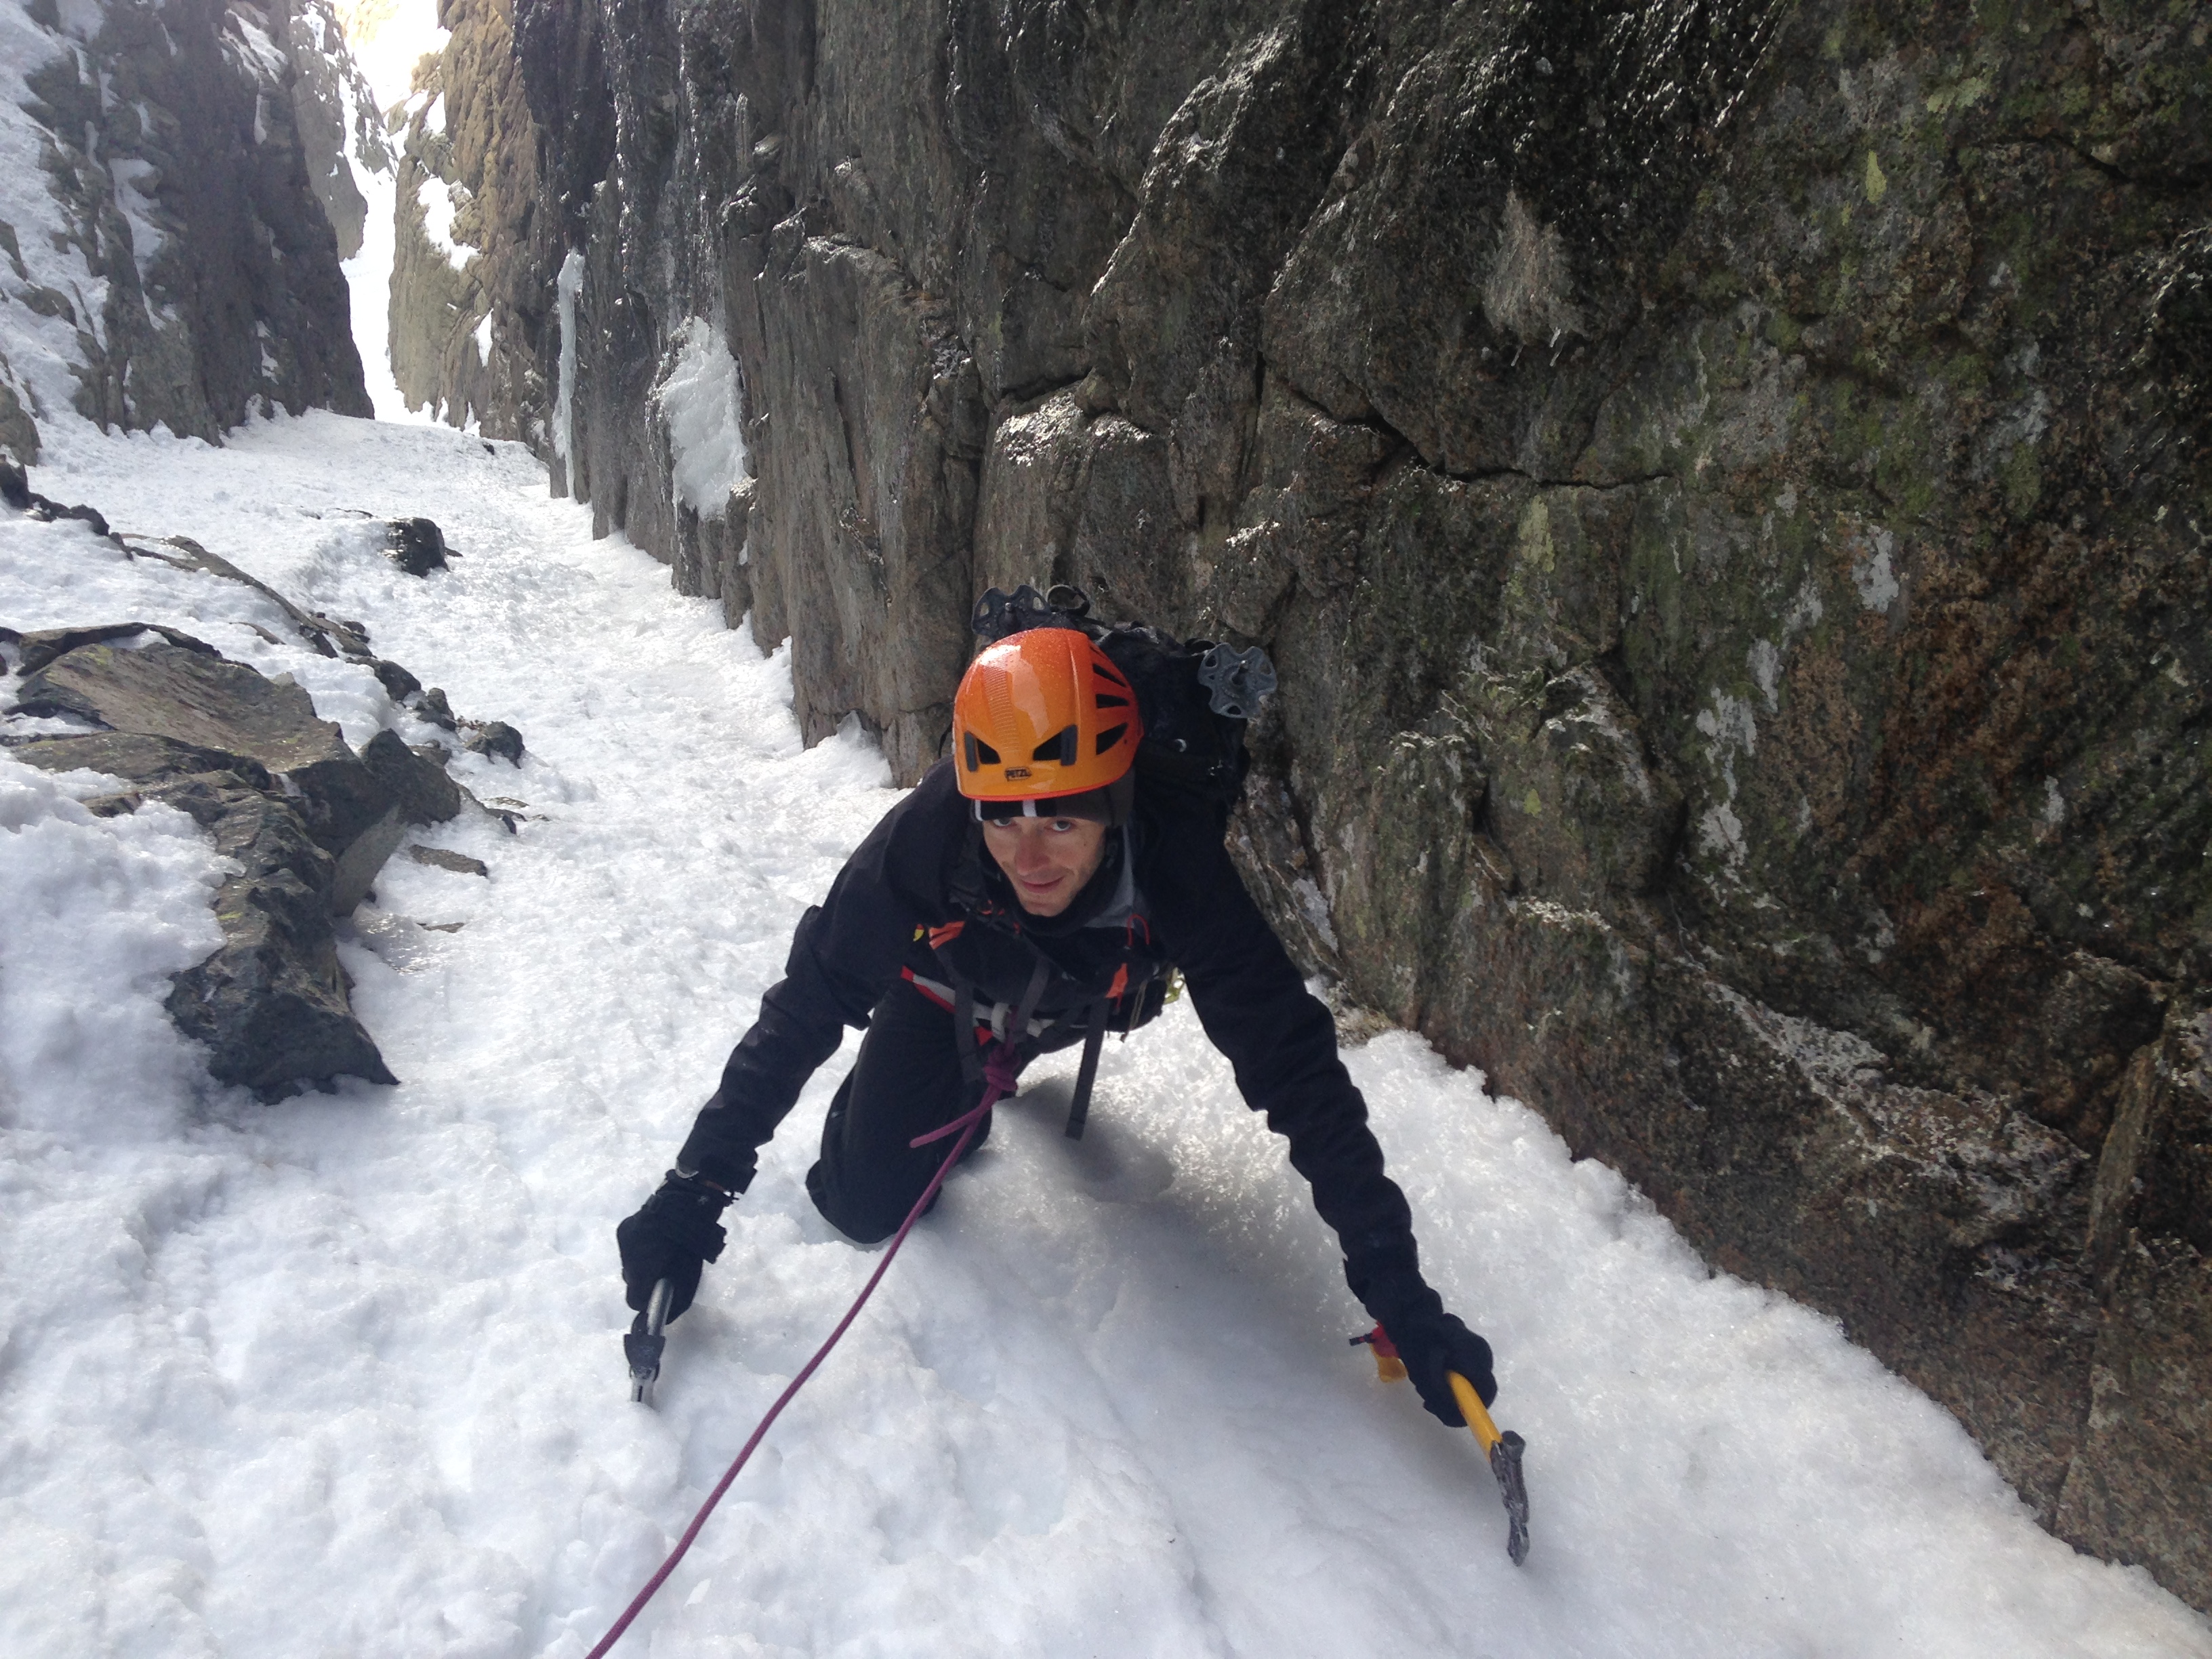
1047 860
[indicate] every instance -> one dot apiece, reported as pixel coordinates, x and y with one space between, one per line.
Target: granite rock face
186 270
1722 482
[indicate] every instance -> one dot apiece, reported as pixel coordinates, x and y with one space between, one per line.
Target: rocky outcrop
1722 484
418 546
511 245
182 270
307 821
2131 1492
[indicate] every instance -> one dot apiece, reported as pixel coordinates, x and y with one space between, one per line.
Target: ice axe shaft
1504 1451
643 1344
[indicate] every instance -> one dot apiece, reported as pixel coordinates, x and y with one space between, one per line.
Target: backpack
1194 696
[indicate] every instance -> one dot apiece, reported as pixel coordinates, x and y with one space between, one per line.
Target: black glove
672 1236
1432 1342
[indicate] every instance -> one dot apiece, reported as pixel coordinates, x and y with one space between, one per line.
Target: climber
1035 887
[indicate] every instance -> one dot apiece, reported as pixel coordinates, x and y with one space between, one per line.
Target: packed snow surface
341 1376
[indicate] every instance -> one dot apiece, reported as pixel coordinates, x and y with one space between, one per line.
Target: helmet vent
979 754
1107 700
1110 736
1062 747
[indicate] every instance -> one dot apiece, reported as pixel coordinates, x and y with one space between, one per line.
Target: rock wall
340 126
469 316
172 263
1723 482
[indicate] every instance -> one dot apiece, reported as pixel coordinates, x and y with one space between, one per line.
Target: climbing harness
1000 1022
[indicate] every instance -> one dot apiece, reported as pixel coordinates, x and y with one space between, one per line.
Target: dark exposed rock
353 872
310 821
419 787
498 739
148 761
2130 1495
19 433
42 646
196 698
271 1003
15 490
894 495
438 858
398 684
42 508
1721 483
417 545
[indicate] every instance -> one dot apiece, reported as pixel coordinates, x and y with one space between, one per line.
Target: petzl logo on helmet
1017 772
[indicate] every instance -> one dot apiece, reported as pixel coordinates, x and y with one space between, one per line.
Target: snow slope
340 1376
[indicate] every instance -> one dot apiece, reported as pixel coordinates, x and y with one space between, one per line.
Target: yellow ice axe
1502 1451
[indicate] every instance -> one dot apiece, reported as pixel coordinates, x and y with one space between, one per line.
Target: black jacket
921 874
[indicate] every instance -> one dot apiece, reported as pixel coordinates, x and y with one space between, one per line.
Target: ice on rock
701 401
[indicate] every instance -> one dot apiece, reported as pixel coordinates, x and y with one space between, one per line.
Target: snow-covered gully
341 1375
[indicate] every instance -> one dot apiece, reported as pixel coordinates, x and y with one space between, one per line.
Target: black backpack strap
964 1029
1094 1039
1018 1028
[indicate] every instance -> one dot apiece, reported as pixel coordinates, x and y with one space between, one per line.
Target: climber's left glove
1433 1343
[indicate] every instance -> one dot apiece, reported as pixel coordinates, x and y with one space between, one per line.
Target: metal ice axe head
1502 1451
643 1343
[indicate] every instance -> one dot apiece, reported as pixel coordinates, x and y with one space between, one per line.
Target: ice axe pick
1502 1451
643 1343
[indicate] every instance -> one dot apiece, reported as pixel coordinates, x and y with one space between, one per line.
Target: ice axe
643 1343
1502 1451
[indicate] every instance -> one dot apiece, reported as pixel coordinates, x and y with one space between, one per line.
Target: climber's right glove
673 1236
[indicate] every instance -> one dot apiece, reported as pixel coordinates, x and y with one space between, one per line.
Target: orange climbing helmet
1042 714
